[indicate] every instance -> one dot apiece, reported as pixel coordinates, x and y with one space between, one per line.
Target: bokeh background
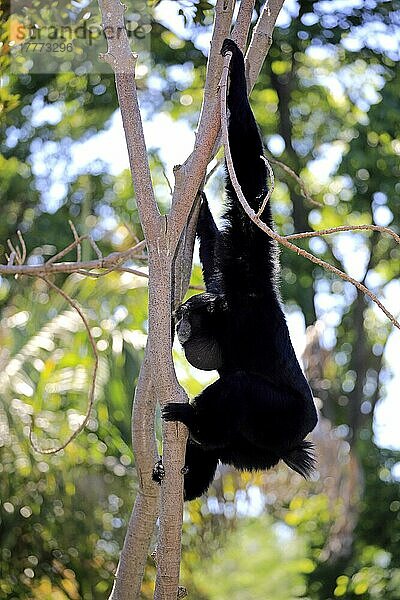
327 103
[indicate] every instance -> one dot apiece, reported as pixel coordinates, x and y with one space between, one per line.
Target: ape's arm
248 260
209 237
244 137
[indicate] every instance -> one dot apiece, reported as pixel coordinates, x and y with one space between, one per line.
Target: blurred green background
327 103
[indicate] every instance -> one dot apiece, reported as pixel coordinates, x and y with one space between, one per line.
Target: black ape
261 408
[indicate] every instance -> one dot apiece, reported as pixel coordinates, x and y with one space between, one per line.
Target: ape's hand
230 46
176 411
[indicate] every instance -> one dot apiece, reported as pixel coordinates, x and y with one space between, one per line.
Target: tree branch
184 257
189 175
123 62
321 232
158 350
261 40
110 262
129 575
297 178
243 22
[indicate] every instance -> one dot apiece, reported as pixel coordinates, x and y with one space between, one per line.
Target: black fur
261 408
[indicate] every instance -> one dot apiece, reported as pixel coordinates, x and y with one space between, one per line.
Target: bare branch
78 244
110 262
161 243
17 253
23 246
92 389
261 40
184 256
243 22
95 247
299 180
166 387
142 521
270 189
11 248
189 176
113 270
10 259
213 169
222 24
14 251
131 233
171 191
321 232
68 248
282 240
307 196
123 61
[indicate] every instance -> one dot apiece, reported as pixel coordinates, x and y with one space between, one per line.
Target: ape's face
196 326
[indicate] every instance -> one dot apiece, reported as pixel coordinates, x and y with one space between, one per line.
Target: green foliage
259 560
63 517
373 570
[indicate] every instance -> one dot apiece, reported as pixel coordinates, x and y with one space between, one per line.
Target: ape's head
197 322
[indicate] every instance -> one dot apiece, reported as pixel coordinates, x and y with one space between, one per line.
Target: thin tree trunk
169 241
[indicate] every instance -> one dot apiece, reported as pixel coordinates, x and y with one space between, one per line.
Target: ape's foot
158 472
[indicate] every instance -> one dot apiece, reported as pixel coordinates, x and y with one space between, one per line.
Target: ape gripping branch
168 237
286 240
169 240
164 237
151 388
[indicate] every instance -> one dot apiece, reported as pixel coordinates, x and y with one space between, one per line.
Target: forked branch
261 40
123 62
190 175
243 22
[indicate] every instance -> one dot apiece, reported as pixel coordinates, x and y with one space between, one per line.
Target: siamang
261 408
